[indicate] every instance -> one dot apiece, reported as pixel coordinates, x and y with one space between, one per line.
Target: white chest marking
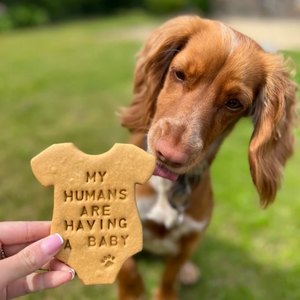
158 209
162 212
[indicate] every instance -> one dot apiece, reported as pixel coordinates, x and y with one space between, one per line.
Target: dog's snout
169 155
164 159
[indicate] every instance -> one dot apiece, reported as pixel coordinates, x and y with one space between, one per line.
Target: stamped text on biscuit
94 205
99 215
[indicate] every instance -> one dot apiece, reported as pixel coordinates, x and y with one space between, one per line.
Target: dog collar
180 194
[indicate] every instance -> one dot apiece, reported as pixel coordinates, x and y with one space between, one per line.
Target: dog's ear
151 68
272 141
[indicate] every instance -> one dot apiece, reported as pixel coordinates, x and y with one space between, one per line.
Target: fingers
14 249
38 282
23 232
52 265
56 265
30 259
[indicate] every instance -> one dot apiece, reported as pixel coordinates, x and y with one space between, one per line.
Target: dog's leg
130 283
173 264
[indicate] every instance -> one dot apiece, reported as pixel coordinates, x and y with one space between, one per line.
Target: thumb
29 259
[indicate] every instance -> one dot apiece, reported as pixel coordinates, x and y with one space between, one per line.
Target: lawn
64 83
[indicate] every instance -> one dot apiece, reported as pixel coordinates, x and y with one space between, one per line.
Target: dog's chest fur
163 225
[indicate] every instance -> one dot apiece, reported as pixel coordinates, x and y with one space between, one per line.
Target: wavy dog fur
272 104
194 80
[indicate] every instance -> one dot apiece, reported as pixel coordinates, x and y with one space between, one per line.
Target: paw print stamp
108 260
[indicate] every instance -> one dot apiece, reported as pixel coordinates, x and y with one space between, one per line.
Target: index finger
23 232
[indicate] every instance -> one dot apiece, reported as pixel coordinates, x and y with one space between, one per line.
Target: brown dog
194 80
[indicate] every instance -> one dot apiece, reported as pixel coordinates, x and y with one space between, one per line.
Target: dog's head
194 79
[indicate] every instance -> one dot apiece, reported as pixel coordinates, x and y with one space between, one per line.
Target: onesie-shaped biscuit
94 205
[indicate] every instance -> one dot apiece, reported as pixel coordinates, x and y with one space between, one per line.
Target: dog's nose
169 155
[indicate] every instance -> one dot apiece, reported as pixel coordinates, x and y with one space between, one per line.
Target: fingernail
73 273
51 244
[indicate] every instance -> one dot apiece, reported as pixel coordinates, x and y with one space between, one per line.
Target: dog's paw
189 273
159 294
128 297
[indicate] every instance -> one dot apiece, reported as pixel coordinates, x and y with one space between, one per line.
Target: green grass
64 84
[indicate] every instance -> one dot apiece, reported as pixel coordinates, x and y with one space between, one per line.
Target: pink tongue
165 173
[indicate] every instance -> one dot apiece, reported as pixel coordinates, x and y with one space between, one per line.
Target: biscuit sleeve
46 164
143 165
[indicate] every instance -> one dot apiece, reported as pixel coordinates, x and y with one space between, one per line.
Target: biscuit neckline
115 146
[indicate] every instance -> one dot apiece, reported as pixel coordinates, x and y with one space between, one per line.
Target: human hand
28 247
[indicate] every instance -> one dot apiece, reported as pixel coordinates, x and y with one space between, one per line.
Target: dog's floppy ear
152 65
272 140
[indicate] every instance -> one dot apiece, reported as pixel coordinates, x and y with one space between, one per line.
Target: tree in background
20 13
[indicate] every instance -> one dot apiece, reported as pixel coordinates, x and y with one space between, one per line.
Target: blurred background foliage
20 13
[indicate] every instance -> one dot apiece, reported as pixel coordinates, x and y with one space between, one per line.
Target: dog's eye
234 104
179 75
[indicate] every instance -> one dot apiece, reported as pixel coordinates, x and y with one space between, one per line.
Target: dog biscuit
94 205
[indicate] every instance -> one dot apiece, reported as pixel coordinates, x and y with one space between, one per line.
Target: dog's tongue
165 173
